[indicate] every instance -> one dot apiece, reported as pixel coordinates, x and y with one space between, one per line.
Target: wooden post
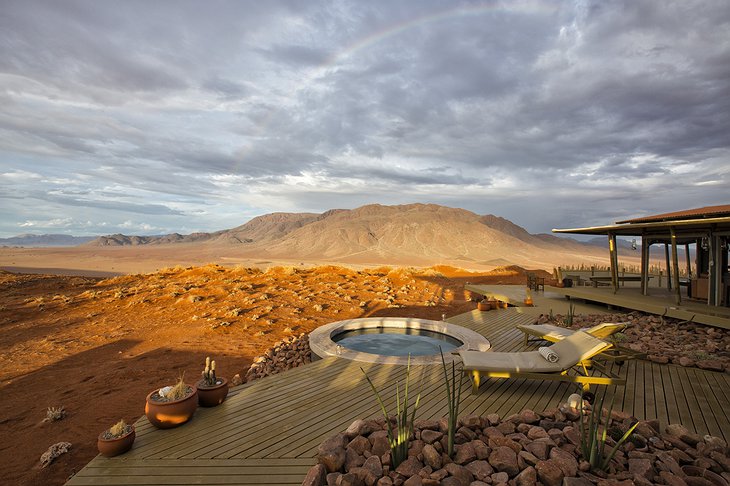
689 263
711 269
614 260
644 266
717 275
669 272
675 266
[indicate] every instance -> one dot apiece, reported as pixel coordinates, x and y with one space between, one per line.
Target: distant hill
124 240
31 240
412 234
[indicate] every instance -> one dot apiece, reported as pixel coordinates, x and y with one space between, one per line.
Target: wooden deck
268 431
660 302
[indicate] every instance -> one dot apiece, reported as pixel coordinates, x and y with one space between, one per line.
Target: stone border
322 345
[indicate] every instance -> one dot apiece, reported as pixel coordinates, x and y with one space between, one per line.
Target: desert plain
77 336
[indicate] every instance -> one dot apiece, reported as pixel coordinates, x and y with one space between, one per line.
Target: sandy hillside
411 235
97 347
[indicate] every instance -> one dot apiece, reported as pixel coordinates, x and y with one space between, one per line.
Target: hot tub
391 339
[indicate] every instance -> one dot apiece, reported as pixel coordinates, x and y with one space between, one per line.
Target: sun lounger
575 352
548 332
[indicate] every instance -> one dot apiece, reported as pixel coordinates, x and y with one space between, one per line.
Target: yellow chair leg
475 380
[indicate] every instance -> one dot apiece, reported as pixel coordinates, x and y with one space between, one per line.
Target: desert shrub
54 414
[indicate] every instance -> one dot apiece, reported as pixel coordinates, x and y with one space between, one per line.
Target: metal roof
687 214
658 227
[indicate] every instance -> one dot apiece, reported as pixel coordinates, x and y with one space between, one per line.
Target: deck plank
268 431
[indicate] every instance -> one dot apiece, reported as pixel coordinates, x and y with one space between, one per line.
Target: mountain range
413 234
31 240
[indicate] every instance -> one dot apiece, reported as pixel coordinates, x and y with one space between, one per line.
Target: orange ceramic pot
483 305
118 445
166 415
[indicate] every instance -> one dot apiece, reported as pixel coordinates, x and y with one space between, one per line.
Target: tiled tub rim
322 345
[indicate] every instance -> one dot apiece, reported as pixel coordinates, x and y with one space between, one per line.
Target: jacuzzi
390 340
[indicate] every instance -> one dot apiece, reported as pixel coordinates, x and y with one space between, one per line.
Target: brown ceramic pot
116 446
166 415
483 305
214 395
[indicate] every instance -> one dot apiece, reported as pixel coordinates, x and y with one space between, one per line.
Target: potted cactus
171 406
212 390
116 440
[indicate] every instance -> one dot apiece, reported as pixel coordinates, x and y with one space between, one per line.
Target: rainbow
523 7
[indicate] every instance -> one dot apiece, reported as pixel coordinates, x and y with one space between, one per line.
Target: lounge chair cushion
489 361
556 333
573 349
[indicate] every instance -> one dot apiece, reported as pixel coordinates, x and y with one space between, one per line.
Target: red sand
97 347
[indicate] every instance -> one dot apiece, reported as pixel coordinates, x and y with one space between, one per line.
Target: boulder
374 465
492 418
504 459
549 473
497 442
355 429
464 453
500 478
481 449
536 433
359 444
415 480
538 449
431 456
671 479
462 474
379 443
565 461
316 476
352 459
642 467
506 427
430 436
528 458
711 364
331 452
529 417
527 477
409 467
480 469
349 479
365 475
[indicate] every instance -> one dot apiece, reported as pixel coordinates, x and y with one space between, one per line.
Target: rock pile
284 355
524 449
664 339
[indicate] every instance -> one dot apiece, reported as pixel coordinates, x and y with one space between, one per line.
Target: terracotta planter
214 395
166 415
483 305
116 446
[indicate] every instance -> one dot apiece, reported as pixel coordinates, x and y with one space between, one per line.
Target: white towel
549 355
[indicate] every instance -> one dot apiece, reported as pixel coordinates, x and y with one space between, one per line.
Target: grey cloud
209 106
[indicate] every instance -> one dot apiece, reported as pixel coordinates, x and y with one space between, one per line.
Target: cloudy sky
151 117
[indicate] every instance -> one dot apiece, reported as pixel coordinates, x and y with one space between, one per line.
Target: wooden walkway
659 302
269 430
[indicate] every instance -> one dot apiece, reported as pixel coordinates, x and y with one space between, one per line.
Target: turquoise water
394 341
